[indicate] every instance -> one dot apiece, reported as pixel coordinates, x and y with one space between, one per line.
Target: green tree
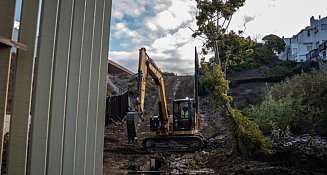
274 42
247 135
213 19
234 49
262 54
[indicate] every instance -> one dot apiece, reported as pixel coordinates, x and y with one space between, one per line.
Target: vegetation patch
283 69
246 134
296 104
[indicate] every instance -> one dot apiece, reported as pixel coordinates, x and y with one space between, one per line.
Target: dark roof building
115 68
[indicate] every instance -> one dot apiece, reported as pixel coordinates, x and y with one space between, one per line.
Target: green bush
282 112
245 65
284 69
262 55
298 102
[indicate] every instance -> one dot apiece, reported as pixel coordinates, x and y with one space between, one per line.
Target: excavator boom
148 67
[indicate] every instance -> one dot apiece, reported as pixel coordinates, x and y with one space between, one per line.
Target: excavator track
173 143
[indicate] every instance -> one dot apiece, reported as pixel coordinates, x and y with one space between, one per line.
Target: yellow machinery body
176 132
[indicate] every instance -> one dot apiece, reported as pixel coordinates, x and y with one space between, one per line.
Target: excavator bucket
132 122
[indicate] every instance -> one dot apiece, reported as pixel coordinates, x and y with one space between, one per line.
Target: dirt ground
121 157
296 154
303 154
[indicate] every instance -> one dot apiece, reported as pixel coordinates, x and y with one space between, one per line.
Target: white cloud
280 17
175 52
122 31
16 25
126 8
166 37
124 44
127 59
178 14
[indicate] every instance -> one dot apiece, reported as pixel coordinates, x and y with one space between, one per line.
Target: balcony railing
323 46
312 54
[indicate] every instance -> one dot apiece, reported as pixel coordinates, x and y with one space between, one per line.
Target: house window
309 48
323 26
324 54
308 32
294 50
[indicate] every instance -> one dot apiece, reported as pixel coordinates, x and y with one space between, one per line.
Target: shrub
281 112
298 102
284 69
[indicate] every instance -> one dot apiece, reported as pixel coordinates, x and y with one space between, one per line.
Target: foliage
248 137
245 65
210 13
250 134
298 102
261 56
235 48
217 85
213 19
283 69
271 112
274 42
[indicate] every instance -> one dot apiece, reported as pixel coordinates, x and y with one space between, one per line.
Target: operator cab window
183 112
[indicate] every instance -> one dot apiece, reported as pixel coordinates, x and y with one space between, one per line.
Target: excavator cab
183 115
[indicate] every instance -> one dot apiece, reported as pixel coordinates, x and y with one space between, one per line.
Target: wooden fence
117 107
58 112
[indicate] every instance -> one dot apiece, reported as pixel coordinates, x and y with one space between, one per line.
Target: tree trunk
239 145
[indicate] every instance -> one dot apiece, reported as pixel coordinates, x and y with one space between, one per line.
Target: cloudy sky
162 27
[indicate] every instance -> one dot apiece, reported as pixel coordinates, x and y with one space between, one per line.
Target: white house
298 47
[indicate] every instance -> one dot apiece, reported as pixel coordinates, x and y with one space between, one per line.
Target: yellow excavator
176 132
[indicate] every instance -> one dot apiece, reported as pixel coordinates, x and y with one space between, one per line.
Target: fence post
94 89
73 85
81 138
42 88
103 89
7 17
59 87
19 125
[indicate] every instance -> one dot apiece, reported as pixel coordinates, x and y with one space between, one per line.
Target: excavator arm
148 67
